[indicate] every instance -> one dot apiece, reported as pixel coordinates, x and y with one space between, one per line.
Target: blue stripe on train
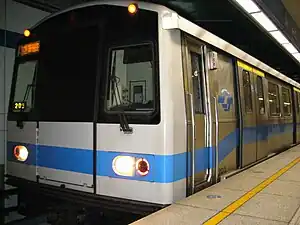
164 168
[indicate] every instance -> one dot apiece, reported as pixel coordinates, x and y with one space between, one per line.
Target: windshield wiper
29 86
124 126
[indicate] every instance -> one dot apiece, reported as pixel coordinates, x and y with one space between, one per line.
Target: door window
287 105
247 91
274 104
260 95
197 83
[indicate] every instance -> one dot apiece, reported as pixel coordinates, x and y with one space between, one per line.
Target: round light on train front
26 33
142 167
124 165
21 153
132 8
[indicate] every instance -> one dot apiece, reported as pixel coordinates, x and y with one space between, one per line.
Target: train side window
286 96
298 101
247 91
197 82
260 95
274 103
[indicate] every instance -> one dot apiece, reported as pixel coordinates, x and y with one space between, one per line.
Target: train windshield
89 61
23 98
67 72
131 79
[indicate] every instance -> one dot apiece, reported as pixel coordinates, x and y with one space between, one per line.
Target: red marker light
142 167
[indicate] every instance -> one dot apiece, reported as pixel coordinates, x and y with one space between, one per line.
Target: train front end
85 120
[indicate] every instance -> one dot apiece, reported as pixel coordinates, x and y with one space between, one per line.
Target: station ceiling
223 19
293 7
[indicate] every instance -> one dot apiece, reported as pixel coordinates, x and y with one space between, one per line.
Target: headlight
124 165
128 165
21 153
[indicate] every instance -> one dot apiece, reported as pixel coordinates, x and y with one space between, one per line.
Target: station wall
14 18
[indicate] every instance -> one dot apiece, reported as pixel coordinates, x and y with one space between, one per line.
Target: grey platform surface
276 204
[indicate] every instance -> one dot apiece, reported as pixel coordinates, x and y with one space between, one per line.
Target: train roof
175 21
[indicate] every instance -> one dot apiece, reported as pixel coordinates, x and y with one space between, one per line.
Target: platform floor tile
214 198
236 219
263 172
283 188
296 218
271 207
178 215
293 175
242 183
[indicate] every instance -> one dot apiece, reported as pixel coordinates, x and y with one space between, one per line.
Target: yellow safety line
242 200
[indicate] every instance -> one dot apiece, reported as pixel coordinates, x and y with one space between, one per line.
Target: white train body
52 143
78 156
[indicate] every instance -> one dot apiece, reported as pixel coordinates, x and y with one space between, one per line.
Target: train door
296 115
65 96
67 149
287 115
246 77
222 88
261 115
196 114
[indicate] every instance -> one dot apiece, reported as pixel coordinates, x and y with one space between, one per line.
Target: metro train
128 106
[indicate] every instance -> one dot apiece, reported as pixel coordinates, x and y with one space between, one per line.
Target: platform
267 193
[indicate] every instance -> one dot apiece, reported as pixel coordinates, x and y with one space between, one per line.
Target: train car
130 107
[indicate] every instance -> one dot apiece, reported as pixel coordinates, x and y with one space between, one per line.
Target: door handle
193 142
217 138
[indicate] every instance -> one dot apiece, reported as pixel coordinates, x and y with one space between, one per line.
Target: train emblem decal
225 99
